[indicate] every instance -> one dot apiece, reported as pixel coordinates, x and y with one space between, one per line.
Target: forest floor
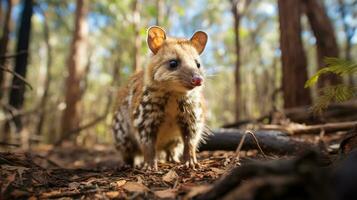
77 172
74 172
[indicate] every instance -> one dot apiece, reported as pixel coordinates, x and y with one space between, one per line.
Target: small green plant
335 93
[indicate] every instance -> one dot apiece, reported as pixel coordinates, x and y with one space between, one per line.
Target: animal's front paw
150 166
191 162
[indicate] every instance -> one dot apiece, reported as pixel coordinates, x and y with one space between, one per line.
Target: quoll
161 109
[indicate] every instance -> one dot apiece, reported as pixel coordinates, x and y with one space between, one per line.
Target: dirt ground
73 172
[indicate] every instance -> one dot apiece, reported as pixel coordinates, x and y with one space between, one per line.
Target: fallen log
312 129
275 142
346 111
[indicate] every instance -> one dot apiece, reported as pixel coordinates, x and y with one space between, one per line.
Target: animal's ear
199 41
155 39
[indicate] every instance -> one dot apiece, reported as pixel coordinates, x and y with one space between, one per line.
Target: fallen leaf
218 171
166 194
46 195
9 179
112 194
170 176
32 198
196 190
20 170
140 180
17 194
120 183
74 185
135 187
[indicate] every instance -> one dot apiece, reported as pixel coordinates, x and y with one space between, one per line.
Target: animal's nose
196 80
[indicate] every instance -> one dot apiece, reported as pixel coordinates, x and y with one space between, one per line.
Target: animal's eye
197 63
173 64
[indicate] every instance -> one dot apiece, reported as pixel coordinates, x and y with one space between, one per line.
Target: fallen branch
275 142
312 129
345 111
9 144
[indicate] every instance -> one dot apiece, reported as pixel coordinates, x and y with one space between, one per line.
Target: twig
81 128
88 125
17 76
13 112
240 145
9 144
312 129
48 160
60 194
8 56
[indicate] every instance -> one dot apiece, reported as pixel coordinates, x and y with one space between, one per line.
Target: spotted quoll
161 110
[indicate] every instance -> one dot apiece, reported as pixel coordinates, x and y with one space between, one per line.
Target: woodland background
74 56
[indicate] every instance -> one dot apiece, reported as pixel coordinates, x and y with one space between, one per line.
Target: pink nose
196 80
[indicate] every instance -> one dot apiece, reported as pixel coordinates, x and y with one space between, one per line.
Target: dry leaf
166 194
74 185
120 183
140 180
135 187
9 179
170 176
32 198
46 195
218 171
112 194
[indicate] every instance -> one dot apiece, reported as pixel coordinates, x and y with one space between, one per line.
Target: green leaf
334 65
336 93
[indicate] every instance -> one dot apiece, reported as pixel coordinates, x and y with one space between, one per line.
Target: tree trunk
159 12
1 13
4 43
236 25
325 38
17 92
349 32
293 57
137 40
76 69
44 98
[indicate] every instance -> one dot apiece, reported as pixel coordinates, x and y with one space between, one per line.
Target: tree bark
76 69
4 43
44 98
275 142
293 57
325 38
137 40
160 13
237 79
17 92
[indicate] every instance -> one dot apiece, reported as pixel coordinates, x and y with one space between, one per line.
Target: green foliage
334 65
336 93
